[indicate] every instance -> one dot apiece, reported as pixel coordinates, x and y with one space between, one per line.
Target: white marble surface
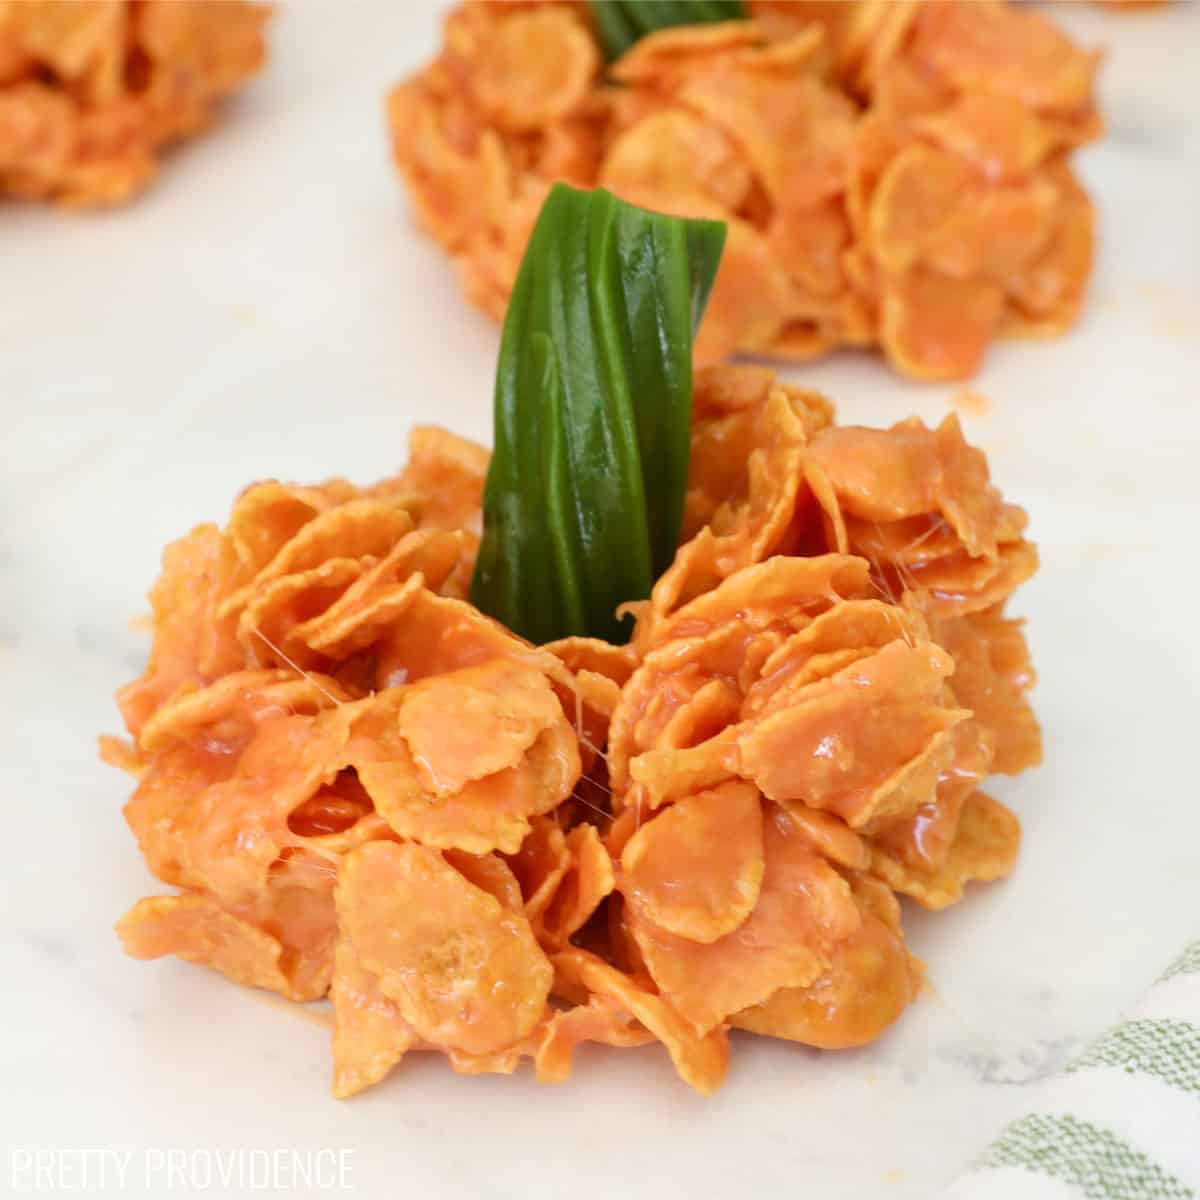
267 310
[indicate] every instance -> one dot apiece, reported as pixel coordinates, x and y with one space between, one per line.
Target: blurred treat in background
92 90
894 175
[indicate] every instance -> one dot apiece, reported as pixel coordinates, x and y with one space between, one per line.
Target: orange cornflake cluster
90 90
890 174
366 789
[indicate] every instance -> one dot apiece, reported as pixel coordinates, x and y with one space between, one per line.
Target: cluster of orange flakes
91 89
367 789
891 172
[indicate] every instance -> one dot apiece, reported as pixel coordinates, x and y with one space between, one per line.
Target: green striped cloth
1121 1122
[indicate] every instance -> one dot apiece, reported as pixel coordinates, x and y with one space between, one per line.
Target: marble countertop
268 310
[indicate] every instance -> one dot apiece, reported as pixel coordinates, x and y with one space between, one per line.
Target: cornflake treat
91 90
364 789
890 174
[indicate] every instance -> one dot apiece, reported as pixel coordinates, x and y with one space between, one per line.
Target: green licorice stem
621 23
584 496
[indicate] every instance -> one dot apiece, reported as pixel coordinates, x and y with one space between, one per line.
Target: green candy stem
584 496
620 23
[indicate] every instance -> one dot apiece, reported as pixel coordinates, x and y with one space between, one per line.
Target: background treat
891 175
91 90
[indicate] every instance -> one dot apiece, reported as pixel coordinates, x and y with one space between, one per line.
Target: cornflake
891 175
92 90
365 789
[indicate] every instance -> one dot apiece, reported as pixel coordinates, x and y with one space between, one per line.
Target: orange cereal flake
803 909
91 91
696 869
700 1059
599 1020
192 644
993 673
871 979
984 847
194 927
893 175
446 782
367 790
465 971
370 1036
588 879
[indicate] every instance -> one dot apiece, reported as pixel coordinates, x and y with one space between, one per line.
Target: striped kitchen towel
1120 1122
